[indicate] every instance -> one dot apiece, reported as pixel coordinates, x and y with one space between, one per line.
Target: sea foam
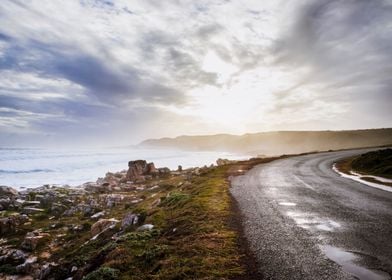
21 168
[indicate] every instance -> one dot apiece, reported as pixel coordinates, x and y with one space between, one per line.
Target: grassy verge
194 238
196 232
377 163
345 165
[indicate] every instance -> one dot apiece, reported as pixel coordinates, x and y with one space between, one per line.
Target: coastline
27 168
146 220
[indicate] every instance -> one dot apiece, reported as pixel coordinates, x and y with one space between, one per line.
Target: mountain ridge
277 142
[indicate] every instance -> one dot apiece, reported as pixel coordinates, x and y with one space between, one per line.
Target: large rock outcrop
140 168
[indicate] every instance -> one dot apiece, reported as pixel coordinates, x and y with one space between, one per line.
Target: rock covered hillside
141 223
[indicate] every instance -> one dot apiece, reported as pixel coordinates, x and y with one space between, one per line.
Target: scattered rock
102 225
98 215
46 270
221 161
77 227
94 187
145 227
5 203
12 257
57 209
7 197
32 210
164 171
112 199
88 200
129 219
47 199
19 202
8 192
32 203
34 239
70 212
11 223
84 209
27 267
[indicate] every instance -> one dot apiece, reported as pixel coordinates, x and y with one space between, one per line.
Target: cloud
344 51
126 66
342 42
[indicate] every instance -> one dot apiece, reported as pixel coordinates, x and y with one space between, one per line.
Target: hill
279 142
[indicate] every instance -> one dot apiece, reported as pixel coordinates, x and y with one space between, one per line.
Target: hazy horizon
139 144
102 73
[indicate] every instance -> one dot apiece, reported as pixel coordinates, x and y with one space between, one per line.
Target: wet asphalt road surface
302 220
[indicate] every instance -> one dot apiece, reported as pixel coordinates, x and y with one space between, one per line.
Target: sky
102 72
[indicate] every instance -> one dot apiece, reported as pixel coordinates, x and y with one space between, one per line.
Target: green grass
8 269
378 163
103 273
194 240
192 237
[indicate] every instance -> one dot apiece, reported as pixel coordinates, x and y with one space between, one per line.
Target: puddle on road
359 179
287 203
346 261
313 222
328 225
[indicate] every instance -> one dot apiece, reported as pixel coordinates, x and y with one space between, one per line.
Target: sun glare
214 64
239 99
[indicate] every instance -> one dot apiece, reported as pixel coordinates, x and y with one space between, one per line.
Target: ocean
22 168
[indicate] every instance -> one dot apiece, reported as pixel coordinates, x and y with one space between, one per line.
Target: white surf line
358 179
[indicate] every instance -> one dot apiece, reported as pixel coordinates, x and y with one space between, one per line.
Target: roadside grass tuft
103 273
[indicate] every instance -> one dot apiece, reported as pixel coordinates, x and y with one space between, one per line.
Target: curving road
303 221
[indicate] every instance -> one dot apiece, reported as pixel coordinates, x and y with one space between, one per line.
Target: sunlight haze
118 72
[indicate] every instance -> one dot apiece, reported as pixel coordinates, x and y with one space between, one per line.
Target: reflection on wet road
303 221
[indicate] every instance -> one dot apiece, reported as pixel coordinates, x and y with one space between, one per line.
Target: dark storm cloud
4 37
63 107
345 42
102 78
95 75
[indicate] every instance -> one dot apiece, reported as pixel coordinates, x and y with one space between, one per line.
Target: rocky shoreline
43 230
